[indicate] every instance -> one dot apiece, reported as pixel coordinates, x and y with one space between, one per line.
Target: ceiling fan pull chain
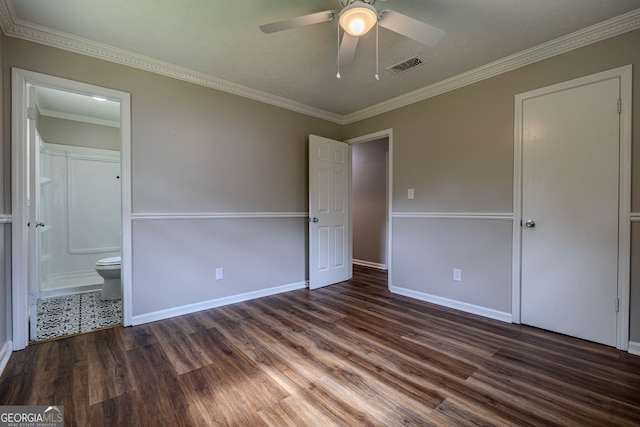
377 75
338 62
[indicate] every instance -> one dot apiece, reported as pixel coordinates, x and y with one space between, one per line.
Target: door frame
624 200
21 80
386 133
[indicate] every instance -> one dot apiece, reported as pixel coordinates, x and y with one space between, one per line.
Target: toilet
109 269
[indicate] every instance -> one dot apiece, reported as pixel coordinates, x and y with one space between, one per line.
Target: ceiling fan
356 18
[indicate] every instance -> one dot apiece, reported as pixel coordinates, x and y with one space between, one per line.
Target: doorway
327 260
36 165
369 204
571 208
372 189
77 203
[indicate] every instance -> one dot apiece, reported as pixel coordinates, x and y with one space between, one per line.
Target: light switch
410 194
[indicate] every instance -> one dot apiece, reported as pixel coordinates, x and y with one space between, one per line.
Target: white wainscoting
5 219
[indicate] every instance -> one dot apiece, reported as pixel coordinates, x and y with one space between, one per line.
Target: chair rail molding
214 215
455 215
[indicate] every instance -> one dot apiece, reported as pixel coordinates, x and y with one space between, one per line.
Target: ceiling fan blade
300 21
409 27
347 49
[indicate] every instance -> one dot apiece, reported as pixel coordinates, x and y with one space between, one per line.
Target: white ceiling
77 107
220 40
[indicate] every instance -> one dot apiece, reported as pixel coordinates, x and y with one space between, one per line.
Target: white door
570 190
329 212
33 202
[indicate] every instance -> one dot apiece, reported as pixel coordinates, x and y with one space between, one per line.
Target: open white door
329 212
34 223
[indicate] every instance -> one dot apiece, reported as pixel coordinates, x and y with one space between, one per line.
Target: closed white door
570 190
329 212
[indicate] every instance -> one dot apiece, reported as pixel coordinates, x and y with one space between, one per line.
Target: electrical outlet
457 275
410 194
219 273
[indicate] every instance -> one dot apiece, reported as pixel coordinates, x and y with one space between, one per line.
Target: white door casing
329 212
22 80
572 178
33 202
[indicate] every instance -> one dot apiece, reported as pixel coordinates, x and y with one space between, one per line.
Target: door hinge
619 105
617 304
32 113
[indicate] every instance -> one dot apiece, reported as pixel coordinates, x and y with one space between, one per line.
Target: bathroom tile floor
72 314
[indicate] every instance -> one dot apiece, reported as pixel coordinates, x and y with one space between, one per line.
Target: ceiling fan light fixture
358 18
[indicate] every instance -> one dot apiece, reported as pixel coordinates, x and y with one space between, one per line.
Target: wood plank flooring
351 354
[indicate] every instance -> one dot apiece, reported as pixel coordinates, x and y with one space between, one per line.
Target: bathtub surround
80 205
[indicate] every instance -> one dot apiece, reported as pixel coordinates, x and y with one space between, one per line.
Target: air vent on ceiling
405 65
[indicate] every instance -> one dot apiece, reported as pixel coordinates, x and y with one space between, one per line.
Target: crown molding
604 30
13 27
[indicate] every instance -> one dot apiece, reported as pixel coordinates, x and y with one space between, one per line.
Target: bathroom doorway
71 219
77 200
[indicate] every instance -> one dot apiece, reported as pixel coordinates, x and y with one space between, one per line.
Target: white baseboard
634 348
5 354
369 264
457 305
219 302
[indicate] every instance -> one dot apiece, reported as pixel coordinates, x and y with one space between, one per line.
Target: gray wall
369 201
456 150
198 150
70 132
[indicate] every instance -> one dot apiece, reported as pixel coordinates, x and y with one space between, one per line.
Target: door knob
314 219
530 223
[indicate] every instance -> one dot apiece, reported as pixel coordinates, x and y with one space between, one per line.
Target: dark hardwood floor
351 354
